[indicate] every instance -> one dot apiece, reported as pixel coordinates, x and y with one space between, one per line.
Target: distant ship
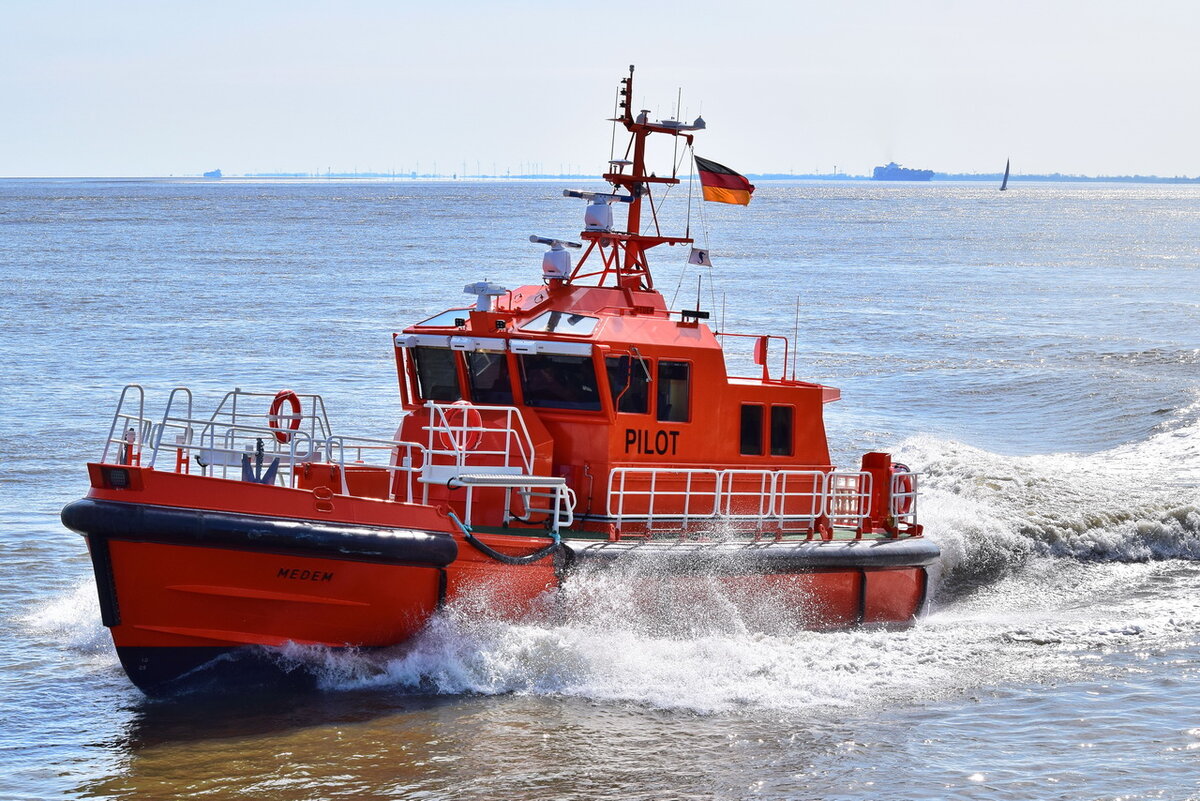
213 174
894 172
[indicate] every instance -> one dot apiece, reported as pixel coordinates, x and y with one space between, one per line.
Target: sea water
1034 354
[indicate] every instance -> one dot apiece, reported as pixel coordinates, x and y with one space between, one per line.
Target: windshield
488 373
559 382
446 319
437 378
556 322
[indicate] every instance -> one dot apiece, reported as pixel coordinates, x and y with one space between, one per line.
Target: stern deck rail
646 500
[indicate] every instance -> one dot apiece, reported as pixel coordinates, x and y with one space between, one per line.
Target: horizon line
762 176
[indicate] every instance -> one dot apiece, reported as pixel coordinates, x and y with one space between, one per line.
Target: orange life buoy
902 489
463 427
275 420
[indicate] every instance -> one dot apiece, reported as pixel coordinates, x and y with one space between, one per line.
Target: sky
121 88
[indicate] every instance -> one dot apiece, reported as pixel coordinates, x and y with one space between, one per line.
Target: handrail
759 496
448 454
765 494
457 434
561 507
187 434
760 337
653 493
318 420
396 463
119 415
903 508
767 499
818 500
200 439
848 499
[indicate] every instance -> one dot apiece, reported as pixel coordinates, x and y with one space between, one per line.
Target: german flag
723 185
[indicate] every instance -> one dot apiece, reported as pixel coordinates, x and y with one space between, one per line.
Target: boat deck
840 534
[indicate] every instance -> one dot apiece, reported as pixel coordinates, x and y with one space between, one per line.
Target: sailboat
1004 183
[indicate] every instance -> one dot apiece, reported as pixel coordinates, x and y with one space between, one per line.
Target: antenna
796 338
675 142
556 262
484 291
610 197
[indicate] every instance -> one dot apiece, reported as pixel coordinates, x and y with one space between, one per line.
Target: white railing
459 440
800 506
679 498
464 449
904 498
558 498
684 504
848 501
134 429
241 408
392 456
747 495
242 436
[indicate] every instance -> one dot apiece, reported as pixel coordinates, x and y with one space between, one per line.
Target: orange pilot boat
566 426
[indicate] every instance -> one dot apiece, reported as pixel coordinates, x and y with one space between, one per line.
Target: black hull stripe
176 526
762 557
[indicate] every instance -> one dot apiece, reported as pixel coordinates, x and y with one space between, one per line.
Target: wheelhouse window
488 374
446 319
557 322
556 381
673 391
752 430
781 430
628 384
437 377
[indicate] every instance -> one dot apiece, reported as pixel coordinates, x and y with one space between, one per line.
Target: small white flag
699 256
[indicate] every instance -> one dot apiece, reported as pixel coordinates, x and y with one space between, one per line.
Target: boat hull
823 584
180 587
196 594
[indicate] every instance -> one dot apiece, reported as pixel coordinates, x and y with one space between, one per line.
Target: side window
781 430
490 383
559 382
437 378
673 391
627 384
752 430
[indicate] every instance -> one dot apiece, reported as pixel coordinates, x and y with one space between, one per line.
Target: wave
71 620
1048 561
992 514
616 654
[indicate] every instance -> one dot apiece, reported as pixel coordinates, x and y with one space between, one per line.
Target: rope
691 180
491 553
712 292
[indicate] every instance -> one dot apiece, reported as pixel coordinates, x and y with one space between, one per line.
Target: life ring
902 489
463 431
275 420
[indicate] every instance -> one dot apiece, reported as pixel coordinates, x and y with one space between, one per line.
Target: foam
992 513
72 620
1044 624
1048 560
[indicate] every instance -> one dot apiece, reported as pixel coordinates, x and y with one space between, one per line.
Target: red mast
623 253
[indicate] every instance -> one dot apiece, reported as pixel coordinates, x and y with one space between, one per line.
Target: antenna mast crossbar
624 253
